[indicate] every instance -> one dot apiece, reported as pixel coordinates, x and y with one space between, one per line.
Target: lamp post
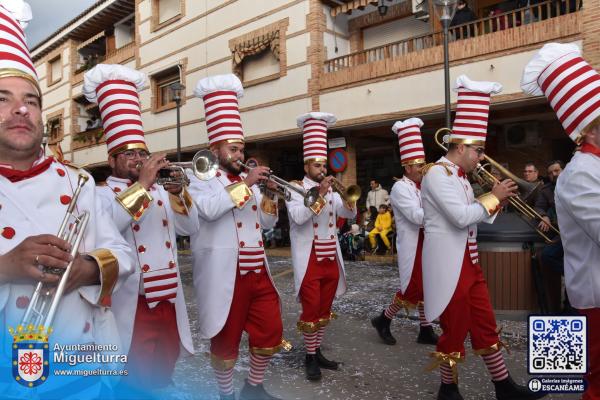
176 88
445 10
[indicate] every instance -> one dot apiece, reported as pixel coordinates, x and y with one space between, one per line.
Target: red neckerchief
461 172
15 175
591 149
234 178
418 185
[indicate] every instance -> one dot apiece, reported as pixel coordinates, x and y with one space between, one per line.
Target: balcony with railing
519 28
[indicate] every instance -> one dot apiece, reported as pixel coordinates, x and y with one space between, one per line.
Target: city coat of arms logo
30 355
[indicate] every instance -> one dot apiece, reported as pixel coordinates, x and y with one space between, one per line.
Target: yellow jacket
384 221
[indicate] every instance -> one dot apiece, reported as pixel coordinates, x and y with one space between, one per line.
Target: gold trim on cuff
452 359
240 193
181 203
220 364
318 206
269 351
407 305
492 349
268 206
490 202
135 200
109 273
307 327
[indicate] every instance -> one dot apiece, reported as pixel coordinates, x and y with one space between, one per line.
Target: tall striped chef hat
410 141
314 134
220 94
569 83
115 88
472 110
15 59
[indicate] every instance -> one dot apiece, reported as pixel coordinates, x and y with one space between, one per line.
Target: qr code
557 345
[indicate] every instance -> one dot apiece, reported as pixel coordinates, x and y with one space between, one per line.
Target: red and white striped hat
472 110
410 141
15 59
220 94
569 83
314 134
115 88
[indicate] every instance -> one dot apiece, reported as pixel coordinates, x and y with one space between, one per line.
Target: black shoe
382 324
313 372
227 396
449 391
427 335
507 389
258 392
325 363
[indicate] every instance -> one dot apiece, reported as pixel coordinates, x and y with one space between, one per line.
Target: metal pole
445 24
177 102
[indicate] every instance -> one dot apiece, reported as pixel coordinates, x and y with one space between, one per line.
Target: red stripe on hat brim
215 137
574 90
118 102
463 101
559 70
16 25
575 74
418 150
464 91
121 112
219 93
116 82
128 132
118 92
122 122
592 108
12 43
408 143
225 125
13 57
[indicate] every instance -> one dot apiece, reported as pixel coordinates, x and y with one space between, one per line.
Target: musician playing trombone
453 283
35 193
234 288
151 311
316 257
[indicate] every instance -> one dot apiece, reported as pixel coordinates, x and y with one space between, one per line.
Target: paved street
370 369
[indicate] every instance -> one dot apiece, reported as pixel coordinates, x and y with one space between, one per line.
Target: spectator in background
377 196
532 175
88 125
463 15
383 225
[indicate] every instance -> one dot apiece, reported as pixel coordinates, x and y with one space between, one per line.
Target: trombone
349 194
283 187
44 301
485 178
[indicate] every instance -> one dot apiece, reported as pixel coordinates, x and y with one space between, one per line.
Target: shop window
163 95
54 70
165 12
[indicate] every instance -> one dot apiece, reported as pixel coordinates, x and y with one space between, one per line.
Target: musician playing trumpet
151 311
316 257
35 191
234 288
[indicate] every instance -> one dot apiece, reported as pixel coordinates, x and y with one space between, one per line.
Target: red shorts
318 288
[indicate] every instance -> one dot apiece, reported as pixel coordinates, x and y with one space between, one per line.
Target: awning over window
91 40
256 45
351 5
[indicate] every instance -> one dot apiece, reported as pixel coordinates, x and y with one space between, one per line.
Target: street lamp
445 10
177 88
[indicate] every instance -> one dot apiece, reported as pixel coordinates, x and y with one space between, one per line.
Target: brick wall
591 32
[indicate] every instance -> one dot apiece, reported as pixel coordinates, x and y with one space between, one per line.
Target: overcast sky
49 15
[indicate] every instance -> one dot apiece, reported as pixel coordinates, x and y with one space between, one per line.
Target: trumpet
44 302
284 188
349 194
204 165
526 189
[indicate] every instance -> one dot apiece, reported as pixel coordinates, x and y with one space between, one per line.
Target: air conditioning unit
420 9
522 134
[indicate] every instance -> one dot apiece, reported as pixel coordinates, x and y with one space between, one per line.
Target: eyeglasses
131 154
479 150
